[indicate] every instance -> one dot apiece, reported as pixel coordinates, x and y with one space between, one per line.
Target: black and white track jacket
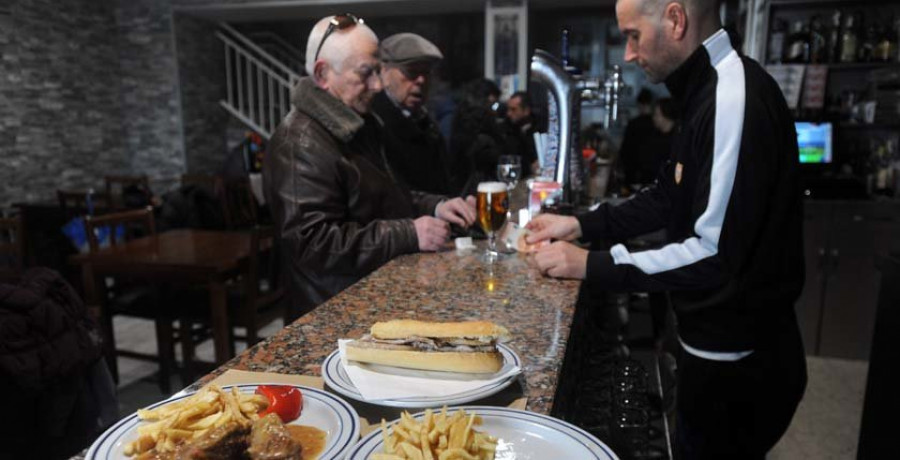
730 200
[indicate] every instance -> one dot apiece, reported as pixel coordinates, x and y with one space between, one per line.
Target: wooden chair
131 298
260 301
75 203
254 301
12 249
239 205
116 186
139 222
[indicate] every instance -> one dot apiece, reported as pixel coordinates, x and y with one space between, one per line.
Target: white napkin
374 386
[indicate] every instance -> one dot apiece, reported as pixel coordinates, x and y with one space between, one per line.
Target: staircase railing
258 86
279 48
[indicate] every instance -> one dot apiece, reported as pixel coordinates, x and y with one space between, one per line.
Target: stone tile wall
93 87
60 98
149 88
201 65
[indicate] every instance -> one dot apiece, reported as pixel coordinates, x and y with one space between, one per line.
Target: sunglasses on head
338 22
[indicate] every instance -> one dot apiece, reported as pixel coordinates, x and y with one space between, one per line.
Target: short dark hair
645 97
667 108
524 99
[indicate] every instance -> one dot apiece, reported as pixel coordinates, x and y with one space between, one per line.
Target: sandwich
469 347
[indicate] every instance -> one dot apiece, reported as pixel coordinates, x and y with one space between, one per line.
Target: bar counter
445 286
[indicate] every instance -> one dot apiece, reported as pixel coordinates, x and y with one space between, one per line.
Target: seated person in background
638 141
339 213
521 131
478 138
415 148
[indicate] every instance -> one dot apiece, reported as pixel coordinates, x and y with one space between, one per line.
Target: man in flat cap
415 148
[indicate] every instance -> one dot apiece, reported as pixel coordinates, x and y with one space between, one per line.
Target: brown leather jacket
339 212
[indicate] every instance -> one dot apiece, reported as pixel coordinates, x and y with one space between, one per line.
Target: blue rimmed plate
321 409
521 435
336 377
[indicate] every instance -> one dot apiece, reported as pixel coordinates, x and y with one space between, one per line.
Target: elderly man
730 201
339 213
415 149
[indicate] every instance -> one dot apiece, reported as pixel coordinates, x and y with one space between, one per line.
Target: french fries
436 436
181 421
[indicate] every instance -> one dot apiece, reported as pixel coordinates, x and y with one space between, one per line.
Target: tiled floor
138 386
826 425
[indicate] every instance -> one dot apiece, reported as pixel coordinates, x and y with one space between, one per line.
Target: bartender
733 260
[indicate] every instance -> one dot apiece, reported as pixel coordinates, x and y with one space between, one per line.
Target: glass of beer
493 203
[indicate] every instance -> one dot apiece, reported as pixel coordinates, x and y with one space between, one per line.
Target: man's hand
546 226
432 233
457 211
562 260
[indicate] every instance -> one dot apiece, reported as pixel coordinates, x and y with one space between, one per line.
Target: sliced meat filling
461 344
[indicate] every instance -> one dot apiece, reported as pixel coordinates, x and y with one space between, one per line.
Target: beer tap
566 95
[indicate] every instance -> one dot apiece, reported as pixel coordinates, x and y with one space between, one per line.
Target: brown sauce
311 438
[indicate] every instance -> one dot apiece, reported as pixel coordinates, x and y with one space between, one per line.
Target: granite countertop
446 286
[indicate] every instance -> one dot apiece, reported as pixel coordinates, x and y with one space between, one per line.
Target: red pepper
285 401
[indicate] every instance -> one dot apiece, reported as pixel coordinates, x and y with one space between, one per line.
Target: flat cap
407 47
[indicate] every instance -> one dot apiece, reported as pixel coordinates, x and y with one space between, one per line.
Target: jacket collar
692 74
341 121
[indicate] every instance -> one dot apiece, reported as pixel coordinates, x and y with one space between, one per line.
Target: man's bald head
338 45
661 34
695 8
347 66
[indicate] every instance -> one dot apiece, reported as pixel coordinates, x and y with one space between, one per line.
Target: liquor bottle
834 37
776 42
817 44
884 47
797 50
849 39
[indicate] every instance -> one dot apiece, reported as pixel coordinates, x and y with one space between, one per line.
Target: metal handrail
256 49
258 86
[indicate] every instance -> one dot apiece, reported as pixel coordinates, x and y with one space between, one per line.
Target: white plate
522 435
336 377
321 409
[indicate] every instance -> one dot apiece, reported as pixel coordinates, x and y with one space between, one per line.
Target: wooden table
186 257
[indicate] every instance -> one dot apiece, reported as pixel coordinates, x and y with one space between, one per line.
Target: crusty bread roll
466 362
404 328
468 347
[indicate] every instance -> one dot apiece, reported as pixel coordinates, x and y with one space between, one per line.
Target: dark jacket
48 349
730 201
415 148
520 141
339 212
478 141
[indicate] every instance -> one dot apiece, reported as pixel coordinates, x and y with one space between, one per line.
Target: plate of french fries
479 433
164 425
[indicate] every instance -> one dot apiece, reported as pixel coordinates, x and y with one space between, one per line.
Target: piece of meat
270 440
226 442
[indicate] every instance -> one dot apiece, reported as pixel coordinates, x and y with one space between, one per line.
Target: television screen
815 142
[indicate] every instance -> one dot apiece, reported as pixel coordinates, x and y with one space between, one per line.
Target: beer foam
491 187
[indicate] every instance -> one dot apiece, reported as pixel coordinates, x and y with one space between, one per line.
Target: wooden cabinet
842 241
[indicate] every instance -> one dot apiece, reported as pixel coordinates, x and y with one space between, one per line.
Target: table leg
94 294
219 311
